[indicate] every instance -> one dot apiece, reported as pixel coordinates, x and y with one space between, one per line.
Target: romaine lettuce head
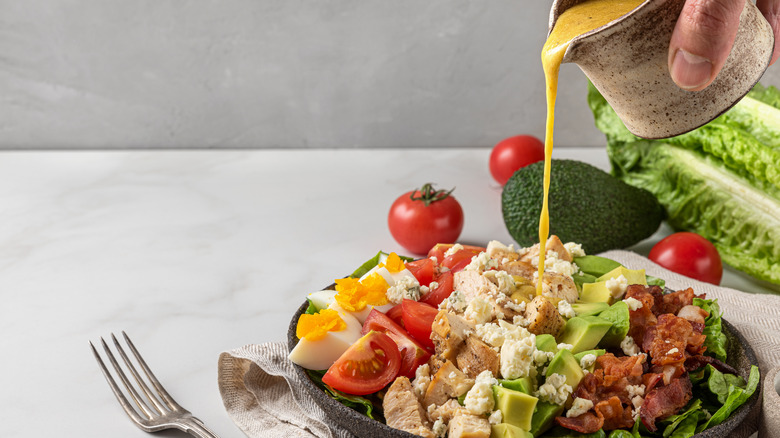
720 181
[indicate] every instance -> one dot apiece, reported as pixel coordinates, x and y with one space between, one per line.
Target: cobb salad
459 344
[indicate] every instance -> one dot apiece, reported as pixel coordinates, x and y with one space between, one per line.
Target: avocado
506 430
596 293
584 332
582 354
586 309
596 266
546 342
610 214
566 365
516 407
523 384
633 276
544 417
618 315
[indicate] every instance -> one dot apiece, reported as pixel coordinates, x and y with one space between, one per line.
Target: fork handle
195 427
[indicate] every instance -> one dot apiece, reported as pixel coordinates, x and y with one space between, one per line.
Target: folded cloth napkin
263 396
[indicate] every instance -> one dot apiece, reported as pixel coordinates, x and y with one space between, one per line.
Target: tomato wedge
445 282
413 354
422 270
455 262
396 314
366 367
418 320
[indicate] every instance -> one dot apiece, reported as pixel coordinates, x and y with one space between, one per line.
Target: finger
771 11
702 40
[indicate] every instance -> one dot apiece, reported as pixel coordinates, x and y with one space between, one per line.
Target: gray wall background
280 74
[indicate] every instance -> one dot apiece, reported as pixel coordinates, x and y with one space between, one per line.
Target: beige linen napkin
262 395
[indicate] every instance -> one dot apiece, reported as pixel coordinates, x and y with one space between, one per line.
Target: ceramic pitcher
627 62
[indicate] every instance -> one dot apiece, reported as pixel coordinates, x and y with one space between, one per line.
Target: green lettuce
716 341
721 180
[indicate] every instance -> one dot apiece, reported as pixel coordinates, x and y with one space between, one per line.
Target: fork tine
159 407
163 393
117 391
133 393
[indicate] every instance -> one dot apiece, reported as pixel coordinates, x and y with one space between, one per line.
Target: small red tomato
422 218
513 153
689 254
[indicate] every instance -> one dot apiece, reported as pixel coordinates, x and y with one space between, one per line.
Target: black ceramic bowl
740 356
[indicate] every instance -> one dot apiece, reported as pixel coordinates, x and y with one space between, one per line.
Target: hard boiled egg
322 353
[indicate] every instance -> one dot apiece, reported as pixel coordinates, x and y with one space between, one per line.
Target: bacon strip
695 362
664 401
642 318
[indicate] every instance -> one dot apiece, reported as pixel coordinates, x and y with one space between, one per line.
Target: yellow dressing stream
573 22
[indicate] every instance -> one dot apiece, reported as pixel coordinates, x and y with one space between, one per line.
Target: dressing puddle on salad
572 23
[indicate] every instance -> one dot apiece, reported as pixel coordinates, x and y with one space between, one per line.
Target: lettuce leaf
721 181
716 342
356 402
735 397
374 261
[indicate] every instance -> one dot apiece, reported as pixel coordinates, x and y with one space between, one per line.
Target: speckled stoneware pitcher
627 62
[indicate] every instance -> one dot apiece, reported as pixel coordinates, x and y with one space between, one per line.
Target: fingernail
690 71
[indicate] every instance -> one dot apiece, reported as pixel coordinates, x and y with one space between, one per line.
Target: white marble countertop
192 253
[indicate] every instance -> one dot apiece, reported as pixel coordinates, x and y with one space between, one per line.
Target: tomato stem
429 195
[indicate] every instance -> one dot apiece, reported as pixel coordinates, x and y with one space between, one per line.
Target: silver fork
155 411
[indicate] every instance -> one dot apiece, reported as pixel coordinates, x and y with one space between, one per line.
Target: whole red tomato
513 153
422 218
689 254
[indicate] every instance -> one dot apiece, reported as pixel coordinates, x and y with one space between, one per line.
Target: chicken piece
472 285
500 252
448 382
522 269
559 287
553 244
448 333
543 317
476 356
403 411
467 425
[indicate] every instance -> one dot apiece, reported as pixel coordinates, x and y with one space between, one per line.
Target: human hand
704 35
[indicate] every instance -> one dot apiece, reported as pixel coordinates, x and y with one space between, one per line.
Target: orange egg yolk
315 327
354 295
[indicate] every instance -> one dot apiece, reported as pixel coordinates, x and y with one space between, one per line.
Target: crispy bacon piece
614 414
608 414
585 423
650 380
664 401
642 318
673 302
617 368
693 363
694 314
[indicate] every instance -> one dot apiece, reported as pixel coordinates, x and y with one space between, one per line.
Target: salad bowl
740 355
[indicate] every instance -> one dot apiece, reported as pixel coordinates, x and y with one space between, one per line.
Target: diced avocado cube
596 293
618 315
633 276
582 354
596 353
517 408
546 342
564 364
506 430
544 417
586 309
584 332
595 265
522 384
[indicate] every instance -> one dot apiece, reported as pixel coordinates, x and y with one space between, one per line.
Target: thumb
702 40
